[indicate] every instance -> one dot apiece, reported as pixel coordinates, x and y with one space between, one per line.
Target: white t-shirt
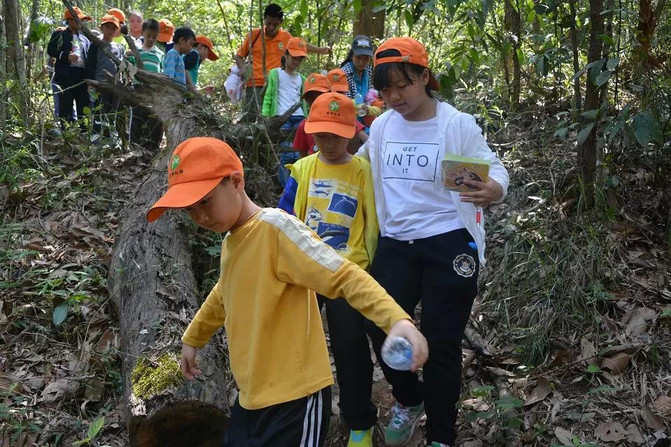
417 205
289 92
78 49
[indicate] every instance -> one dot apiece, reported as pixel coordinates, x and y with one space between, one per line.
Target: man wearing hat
70 48
265 52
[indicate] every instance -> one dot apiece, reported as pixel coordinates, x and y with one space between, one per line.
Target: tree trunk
512 26
16 62
647 22
34 9
3 72
577 98
369 23
587 150
610 6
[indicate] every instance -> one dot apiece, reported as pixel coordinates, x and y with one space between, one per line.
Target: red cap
80 14
118 14
196 167
338 80
409 51
332 113
316 82
297 47
165 30
211 55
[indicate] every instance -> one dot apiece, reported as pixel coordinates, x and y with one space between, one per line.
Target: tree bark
369 23
577 98
647 22
3 71
512 26
34 9
587 150
16 62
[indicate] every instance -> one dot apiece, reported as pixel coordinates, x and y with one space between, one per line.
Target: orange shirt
275 49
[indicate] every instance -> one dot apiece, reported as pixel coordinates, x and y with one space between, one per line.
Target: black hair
273 10
381 74
183 32
123 29
348 58
151 25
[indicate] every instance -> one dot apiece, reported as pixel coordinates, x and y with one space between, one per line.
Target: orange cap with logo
196 167
109 18
316 82
338 80
211 55
404 50
297 47
118 14
68 16
165 30
332 113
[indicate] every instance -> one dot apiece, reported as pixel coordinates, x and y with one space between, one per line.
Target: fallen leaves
637 321
615 432
617 363
542 390
663 406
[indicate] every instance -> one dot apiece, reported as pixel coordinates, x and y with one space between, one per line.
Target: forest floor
569 342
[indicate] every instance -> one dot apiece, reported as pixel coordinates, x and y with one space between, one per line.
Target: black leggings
440 271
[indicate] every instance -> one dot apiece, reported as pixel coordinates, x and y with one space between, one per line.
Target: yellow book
456 169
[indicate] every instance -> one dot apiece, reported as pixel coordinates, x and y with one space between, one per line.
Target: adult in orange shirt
275 40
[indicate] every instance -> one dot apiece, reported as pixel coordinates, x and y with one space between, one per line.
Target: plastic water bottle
397 353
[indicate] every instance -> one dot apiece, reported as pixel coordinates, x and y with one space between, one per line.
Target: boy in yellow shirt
332 192
270 265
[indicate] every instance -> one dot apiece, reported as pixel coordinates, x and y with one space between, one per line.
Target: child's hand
188 364
73 58
484 194
420 349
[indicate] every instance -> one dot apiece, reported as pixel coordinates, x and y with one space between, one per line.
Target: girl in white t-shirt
284 88
432 240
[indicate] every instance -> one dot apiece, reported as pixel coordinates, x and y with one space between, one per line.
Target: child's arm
208 319
371 228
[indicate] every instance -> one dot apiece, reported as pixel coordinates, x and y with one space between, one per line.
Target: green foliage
94 429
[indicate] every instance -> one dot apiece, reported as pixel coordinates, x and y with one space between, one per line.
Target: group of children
372 233
177 53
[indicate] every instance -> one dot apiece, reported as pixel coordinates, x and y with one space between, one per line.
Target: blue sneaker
402 423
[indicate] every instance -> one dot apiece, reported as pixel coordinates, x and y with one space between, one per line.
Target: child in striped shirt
151 55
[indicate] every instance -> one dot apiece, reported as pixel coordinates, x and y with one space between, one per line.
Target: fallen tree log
151 278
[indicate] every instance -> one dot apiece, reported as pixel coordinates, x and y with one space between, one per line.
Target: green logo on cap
175 162
280 45
313 79
334 106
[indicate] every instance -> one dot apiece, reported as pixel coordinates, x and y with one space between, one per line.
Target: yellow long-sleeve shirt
270 268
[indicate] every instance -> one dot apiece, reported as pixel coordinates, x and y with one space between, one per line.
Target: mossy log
151 277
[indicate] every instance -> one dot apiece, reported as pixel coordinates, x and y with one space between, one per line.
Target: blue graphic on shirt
334 235
312 218
343 204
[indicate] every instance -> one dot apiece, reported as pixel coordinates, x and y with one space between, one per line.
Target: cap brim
181 196
342 130
298 53
211 55
109 21
362 51
164 37
317 90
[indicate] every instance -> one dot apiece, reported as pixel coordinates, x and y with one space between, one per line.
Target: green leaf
95 426
666 313
584 133
357 6
409 19
562 132
646 128
60 314
590 114
612 63
602 78
592 368
508 403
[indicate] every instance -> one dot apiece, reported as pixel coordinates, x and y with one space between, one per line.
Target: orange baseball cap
407 50
211 55
297 47
332 113
165 30
118 14
196 167
316 82
80 14
109 18
338 80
